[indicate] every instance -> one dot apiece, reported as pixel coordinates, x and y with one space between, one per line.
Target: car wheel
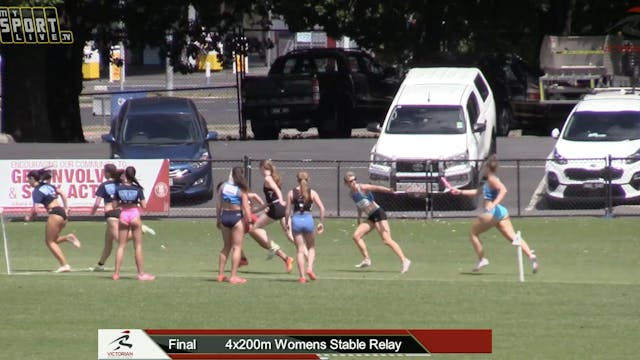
505 119
264 129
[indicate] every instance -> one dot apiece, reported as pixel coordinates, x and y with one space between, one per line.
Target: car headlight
633 158
381 160
559 159
457 159
203 160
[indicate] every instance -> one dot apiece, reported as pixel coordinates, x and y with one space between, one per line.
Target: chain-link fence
586 187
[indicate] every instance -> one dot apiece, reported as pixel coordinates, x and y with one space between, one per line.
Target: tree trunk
40 88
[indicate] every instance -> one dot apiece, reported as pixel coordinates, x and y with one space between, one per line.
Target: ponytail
305 190
130 174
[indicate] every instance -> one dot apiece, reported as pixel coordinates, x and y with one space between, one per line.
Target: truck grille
584 174
416 166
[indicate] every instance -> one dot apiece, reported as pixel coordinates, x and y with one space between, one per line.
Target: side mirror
212 135
480 127
108 138
555 133
373 127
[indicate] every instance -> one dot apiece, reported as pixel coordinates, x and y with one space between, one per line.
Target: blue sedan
166 128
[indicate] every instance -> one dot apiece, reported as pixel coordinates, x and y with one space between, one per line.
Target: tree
413 31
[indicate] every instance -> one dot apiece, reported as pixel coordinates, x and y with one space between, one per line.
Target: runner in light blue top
362 195
494 215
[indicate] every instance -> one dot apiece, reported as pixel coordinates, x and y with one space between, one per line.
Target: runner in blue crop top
46 194
362 196
494 215
232 206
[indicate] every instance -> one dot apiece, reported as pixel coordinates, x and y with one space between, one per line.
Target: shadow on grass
364 271
476 273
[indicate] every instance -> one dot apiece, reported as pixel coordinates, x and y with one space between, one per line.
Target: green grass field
584 303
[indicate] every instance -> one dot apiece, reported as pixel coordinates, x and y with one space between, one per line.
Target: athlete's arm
316 199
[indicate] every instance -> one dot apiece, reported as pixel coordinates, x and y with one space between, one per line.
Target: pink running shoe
302 280
311 274
222 278
146 277
288 264
237 280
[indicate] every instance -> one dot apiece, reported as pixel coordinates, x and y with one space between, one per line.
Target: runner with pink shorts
130 198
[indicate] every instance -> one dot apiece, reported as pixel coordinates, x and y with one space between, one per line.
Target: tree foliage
41 84
415 30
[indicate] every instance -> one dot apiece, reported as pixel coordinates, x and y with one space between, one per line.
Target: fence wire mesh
529 192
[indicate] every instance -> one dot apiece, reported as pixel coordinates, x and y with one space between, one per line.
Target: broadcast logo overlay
152 344
32 25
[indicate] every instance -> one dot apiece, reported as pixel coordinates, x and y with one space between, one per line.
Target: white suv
440 122
598 147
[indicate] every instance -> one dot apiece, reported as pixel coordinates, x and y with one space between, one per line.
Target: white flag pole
6 245
518 243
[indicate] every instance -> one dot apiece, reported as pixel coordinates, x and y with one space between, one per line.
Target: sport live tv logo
114 344
32 25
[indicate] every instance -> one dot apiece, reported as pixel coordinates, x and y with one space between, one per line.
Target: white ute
442 122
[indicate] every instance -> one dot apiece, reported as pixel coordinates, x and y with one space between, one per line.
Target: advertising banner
79 179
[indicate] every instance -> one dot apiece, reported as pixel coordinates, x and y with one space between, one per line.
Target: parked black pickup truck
332 89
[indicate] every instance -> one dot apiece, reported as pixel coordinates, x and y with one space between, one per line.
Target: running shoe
289 264
535 266
406 263
63 269
311 274
73 240
365 263
237 280
148 230
146 277
221 278
302 280
243 262
115 277
98 268
481 263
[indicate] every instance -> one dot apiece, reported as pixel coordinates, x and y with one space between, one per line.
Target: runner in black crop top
298 202
47 195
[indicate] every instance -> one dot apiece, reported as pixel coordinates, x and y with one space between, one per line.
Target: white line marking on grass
536 196
131 274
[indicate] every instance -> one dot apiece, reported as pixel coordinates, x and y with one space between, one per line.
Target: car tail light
315 91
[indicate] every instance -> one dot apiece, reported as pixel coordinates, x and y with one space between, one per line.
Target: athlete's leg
363 229
384 230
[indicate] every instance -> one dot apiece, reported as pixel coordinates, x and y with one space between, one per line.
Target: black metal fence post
608 212
518 185
338 171
246 162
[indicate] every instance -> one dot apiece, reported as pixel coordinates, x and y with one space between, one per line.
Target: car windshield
159 128
415 119
603 126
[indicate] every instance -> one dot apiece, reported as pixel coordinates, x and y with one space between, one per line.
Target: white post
6 244
518 244
124 65
207 71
